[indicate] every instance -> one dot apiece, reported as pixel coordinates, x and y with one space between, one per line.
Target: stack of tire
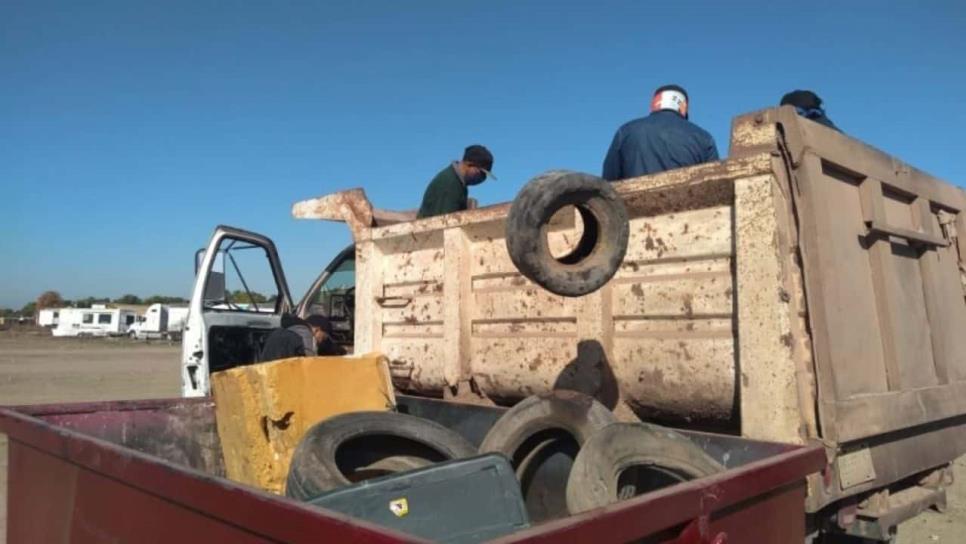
569 452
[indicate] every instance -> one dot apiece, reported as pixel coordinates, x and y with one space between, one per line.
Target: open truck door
239 296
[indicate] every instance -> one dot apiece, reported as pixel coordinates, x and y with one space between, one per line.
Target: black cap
478 155
802 99
321 322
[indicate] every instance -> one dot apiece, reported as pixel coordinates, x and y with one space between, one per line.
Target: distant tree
242 297
160 299
128 299
7 312
49 299
90 301
29 309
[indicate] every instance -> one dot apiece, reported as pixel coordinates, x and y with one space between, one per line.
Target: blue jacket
663 140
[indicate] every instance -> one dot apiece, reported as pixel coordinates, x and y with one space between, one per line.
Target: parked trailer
159 321
152 471
98 320
48 317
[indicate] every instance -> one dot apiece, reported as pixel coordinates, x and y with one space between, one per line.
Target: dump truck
808 289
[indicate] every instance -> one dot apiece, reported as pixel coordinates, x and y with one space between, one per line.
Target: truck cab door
333 295
239 296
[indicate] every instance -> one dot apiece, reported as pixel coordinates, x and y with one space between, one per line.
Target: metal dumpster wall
66 486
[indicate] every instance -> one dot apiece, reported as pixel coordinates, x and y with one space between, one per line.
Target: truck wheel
629 459
541 436
357 446
599 252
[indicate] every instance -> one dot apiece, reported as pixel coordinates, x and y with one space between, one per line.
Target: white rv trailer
98 320
48 317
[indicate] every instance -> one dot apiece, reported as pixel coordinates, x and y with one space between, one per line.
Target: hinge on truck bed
947 222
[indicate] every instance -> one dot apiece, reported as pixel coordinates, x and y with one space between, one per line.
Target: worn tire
601 249
669 458
356 446
540 436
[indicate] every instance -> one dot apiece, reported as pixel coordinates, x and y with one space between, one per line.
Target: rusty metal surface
442 299
87 489
66 486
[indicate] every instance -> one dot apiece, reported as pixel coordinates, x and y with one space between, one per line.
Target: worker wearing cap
808 105
663 140
447 192
322 334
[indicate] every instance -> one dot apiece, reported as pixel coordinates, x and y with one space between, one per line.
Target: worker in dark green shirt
447 192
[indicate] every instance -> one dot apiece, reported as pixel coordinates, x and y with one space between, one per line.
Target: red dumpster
151 471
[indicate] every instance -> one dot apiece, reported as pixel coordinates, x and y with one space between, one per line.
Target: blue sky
128 130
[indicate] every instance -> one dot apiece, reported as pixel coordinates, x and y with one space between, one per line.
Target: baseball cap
321 322
480 156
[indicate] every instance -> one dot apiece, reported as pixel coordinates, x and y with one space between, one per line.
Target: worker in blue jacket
663 140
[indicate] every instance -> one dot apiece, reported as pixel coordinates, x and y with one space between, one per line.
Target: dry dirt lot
36 368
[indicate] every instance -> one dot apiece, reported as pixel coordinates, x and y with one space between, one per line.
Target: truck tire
624 460
541 436
357 446
598 254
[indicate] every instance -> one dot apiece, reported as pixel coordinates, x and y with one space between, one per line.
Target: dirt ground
36 368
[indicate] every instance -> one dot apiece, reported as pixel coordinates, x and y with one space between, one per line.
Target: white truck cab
239 296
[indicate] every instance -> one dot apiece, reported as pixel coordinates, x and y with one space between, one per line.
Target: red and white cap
670 97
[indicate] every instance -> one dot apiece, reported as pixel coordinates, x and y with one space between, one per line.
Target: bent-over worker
294 338
322 333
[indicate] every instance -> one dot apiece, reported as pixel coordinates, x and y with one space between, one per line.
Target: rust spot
686 228
787 339
518 280
684 350
784 296
689 326
637 290
649 243
655 376
689 305
535 364
744 380
728 291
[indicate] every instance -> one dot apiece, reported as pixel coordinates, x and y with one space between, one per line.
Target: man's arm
711 150
612 162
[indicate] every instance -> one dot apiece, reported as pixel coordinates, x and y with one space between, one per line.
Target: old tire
352 447
598 254
624 460
541 436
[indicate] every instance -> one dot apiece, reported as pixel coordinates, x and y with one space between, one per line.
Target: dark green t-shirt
445 194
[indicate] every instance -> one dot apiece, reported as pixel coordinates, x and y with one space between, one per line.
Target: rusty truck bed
152 471
809 287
